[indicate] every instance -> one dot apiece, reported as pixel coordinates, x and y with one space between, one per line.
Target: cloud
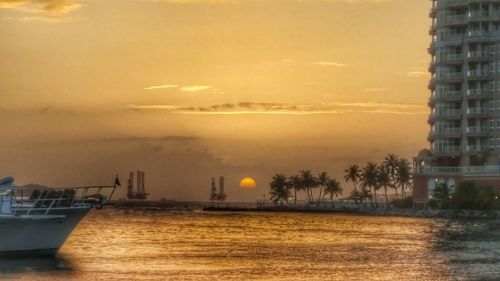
162 87
48 10
186 88
417 74
379 105
269 108
215 2
345 1
329 63
194 88
185 2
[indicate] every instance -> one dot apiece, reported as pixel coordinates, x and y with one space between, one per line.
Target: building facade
464 121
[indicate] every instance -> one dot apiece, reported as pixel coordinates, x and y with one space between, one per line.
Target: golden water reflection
129 245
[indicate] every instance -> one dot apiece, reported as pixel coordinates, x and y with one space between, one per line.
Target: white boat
37 221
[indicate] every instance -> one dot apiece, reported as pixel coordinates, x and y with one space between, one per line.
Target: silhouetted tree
352 174
369 179
322 181
280 191
333 187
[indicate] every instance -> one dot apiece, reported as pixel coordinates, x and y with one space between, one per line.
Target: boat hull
38 236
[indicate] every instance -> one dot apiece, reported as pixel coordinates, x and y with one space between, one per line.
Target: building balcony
482 16
478 93
452 37
445 96
445 115
447 132
448 76
478 130
453 19
449 59
432 12
447 150
463 170
478 74
479 35
478 55
477 148
432 30
477 111
451 3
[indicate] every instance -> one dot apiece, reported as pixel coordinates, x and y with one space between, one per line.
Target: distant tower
221 185
213 190
140 189
130 187
139 182
143 189
217 196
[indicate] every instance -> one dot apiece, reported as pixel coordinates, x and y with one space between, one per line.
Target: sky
189 89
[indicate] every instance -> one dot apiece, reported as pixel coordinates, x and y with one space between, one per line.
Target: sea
122 244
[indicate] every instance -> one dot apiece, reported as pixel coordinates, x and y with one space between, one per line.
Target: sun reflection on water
117 245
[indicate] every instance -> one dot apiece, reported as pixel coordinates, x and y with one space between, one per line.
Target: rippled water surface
132 245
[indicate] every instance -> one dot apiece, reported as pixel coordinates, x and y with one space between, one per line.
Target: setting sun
248 183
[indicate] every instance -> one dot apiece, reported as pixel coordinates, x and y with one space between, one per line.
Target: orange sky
187 89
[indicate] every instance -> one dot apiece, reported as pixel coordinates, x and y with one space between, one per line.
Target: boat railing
41 201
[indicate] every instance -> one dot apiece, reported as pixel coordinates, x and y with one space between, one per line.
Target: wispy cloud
194 88
48 9
186 2
162 87
268 108
345 1
186 88
330 63
379 105
417 74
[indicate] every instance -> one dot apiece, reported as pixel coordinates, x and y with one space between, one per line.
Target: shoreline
172 205
415 213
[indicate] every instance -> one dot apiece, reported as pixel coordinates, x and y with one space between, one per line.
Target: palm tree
295 183
384 180
279 189
322 181
333 187
369 178
443 194
391 163
308 182
403 176
352 173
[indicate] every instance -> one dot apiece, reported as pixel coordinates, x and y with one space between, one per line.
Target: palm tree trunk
386 201
371 196
295 196
375 192
319 198
331 198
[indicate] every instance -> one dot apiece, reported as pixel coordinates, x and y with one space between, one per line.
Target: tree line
393 173
465 196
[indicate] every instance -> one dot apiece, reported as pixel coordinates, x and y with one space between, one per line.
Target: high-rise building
464 121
